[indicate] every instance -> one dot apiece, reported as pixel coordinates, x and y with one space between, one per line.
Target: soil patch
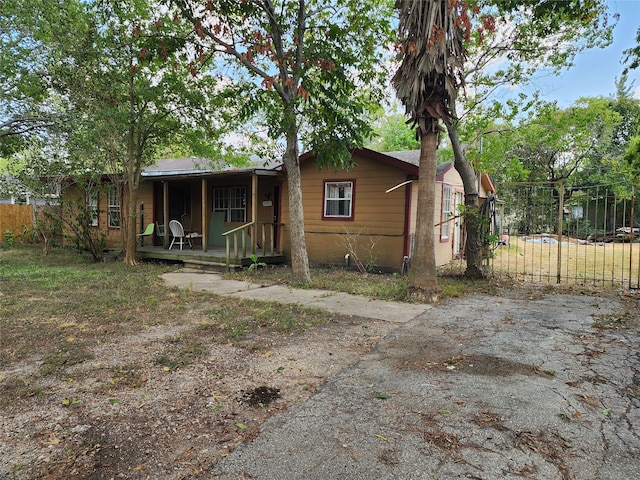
166 403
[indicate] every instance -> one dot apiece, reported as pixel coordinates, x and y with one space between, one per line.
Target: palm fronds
432 35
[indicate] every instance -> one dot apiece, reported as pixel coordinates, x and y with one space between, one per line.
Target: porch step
205 265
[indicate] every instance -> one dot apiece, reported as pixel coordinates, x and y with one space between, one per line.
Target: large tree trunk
129 222
474 243
132 180
423 281
299 258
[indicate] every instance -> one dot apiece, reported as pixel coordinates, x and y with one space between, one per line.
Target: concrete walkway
331 301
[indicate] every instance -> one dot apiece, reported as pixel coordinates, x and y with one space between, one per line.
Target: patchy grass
382 286
55 307
226 324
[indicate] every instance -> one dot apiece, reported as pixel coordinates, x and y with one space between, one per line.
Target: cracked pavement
525 385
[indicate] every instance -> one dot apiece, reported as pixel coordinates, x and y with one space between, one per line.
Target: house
368 211
374 206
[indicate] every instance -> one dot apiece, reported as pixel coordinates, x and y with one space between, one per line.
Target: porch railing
248 230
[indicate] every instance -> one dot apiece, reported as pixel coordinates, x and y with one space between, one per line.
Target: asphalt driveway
536 386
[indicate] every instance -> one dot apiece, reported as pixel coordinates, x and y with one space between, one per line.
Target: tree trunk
132 180
473 245
423 281
129 221
299 258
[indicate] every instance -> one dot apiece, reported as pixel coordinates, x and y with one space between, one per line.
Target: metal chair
177 232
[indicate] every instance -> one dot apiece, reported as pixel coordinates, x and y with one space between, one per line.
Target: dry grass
60 305
602 264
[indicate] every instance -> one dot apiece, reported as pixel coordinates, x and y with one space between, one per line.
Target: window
114 209
92 207
232 201
445 228
338 200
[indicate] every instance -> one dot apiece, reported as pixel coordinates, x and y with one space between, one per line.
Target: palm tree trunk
423 282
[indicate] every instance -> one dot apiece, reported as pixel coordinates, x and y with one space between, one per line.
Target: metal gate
582 236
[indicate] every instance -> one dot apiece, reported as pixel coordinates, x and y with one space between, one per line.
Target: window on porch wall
92 207
114 208
232 201
445 227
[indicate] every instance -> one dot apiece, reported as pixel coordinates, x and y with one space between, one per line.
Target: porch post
254 211
205 223
165 212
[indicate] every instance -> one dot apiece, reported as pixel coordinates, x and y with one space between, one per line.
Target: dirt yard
122 414
133 408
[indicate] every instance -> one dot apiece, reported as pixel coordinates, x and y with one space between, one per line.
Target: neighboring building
373 205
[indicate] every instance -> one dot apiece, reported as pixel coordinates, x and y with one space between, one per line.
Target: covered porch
225 215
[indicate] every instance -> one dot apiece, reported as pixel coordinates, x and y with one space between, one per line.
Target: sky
595 71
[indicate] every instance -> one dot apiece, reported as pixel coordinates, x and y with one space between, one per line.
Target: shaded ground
529 384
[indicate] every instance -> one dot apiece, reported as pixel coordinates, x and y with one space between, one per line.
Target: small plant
9 239
361 249
255 263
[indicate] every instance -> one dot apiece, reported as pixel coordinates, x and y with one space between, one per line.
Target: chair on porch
147 233
160 231
177 232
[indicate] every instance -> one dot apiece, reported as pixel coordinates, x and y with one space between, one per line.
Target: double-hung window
114 208
92 207
445 227
338 200
232 201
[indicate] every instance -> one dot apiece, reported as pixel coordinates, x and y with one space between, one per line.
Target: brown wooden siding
377 215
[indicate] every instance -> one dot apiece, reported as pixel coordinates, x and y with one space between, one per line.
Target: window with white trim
445 227
338 199
92 207
114 208
232 201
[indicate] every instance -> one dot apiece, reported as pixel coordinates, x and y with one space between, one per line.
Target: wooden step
211 266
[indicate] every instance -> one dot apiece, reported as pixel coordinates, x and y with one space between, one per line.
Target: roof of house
409 156
194 166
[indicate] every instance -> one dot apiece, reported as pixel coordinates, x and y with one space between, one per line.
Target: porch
215 257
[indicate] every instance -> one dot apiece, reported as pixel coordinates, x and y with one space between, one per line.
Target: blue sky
595 71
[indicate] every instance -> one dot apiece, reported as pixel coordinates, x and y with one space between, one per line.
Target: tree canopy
307 72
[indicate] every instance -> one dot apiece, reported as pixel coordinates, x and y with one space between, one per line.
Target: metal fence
581 236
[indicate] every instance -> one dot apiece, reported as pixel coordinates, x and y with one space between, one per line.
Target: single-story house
375 204
370 208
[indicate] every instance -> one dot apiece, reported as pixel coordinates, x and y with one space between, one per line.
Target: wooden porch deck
213 257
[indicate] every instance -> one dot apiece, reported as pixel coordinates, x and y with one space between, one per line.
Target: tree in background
392 134
306 70
533 35
30 37
632 152
124 93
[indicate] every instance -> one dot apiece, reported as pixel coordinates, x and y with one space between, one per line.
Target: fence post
560 215
631 235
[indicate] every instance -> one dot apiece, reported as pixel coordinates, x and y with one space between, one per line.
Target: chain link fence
550 233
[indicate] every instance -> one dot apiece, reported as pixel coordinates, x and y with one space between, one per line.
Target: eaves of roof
387 158
190 174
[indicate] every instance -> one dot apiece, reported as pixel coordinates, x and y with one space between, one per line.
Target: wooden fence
15 218
585 236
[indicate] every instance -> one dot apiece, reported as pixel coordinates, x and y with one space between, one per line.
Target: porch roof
197 167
